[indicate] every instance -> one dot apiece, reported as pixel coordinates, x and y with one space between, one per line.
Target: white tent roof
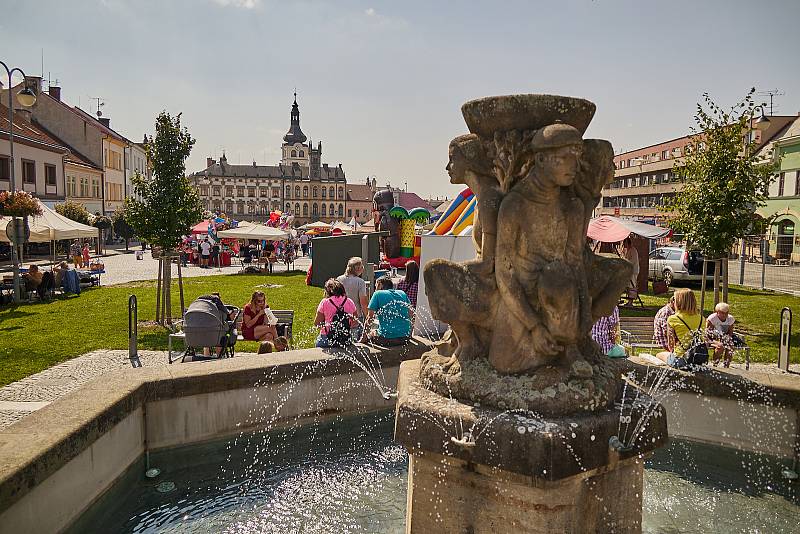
254 231
319 225
50 226
344 227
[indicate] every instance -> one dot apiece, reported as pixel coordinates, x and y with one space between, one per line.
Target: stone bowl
491 114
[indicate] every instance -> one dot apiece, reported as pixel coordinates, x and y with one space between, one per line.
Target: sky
381 83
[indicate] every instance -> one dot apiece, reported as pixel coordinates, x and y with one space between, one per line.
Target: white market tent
319 225
50 226
255 232
344 227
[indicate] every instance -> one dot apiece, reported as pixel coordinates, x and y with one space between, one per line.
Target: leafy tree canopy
74 211
167 206
724 180
120 223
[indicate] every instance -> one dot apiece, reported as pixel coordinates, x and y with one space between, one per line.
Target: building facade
300 184
38 159
135 163
644 179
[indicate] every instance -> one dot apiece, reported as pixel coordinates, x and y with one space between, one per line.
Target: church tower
294 149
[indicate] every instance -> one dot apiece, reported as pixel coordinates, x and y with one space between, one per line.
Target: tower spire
295 134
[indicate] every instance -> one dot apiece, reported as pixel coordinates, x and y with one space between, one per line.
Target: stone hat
556 136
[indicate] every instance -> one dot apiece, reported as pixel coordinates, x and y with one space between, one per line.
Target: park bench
285 318
636 333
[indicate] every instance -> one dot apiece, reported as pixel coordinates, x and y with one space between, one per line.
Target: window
297 192
72 188
229 206
331 193
297 209
305 191
251 208
240 207
323 210
315 210
294 153
341 210
302 154
251 192
324 192
288 208
5 168
341 193
665 154
229 191
28 172
262 192
96 187
316 192
288 194
204 191
781 183
350 213
797 183
217 205
276 192
217 192
305 209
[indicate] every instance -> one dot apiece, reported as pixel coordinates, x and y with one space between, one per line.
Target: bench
637 333
285 317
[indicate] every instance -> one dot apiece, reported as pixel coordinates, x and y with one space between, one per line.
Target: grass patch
757 313
36 336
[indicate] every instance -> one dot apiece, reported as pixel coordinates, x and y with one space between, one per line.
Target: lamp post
27 98
762 123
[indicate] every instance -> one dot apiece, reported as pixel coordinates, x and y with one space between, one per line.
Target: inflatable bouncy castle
459 216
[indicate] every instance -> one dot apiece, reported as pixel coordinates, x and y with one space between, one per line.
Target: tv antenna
99 100
771 93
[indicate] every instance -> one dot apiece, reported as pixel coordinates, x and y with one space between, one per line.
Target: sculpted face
457 166
559 164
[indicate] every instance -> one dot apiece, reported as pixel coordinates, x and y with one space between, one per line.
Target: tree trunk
717 266
726 260
167 289
180 287
703 286
126 244
158 292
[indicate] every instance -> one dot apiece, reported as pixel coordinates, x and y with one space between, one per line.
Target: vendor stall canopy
50 226
613 229
254 231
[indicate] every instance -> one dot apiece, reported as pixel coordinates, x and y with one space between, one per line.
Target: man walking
304 244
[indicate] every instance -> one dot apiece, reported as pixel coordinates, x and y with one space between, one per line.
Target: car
676 263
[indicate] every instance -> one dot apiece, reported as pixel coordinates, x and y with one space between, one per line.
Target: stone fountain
516 421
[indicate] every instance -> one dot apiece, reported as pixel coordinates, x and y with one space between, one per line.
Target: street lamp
26 97
761 124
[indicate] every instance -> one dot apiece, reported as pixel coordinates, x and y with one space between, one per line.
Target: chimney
55 92
210 162
105 121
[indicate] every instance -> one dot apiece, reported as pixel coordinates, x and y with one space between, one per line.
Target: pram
204 325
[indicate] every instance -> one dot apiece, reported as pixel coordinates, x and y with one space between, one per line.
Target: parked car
676 263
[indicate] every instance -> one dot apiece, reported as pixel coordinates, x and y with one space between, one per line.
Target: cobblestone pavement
122 268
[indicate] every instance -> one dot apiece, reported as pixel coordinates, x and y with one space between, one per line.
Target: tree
121 226
167 206
724 181
74 211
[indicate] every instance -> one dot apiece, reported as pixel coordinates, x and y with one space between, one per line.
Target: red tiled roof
411 200
359 193
24 128
73 156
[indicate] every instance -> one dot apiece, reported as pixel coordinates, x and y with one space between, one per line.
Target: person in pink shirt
335 316
85 253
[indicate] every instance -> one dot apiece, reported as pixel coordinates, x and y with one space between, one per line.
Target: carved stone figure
383 201
527 304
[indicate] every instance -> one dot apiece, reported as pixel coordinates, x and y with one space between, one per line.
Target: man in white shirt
304 243
205 253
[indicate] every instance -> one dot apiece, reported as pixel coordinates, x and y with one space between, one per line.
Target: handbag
697 353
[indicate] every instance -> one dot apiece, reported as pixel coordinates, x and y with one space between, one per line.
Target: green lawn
757 315
36 336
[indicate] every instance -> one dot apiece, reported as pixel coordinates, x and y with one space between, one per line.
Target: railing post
741 264
785 339
764 252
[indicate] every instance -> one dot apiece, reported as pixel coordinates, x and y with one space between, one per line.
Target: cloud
370 12
244 4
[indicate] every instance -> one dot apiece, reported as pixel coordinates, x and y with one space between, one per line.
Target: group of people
80 254
680 330
345 315
43 282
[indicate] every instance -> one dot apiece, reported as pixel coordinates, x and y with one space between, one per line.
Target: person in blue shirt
392 310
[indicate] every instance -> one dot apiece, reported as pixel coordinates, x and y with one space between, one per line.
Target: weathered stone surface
523 442
528 302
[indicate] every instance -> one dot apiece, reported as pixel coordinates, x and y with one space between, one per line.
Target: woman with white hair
719 326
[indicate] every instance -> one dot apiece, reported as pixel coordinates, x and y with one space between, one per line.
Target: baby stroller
206 325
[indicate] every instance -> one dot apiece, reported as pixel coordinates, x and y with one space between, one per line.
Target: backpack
697 353
339 328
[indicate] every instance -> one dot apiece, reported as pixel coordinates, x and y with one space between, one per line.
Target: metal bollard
133 331
785 339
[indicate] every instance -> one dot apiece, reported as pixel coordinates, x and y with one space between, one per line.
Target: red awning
612 229
201 227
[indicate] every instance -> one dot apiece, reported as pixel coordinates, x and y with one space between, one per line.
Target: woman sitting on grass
259 323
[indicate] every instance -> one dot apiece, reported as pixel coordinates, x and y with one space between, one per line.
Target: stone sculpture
526 305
